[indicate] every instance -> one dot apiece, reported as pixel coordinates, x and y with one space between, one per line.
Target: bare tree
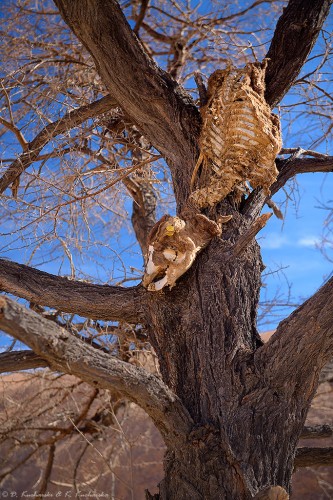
230 409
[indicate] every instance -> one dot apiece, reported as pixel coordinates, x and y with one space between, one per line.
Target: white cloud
309 241
273 241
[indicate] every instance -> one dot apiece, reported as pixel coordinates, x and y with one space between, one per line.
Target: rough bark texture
295 34
20 360
230 410
68 354
153 101
86 299
248 410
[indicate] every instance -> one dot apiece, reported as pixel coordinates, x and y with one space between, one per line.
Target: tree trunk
230 420
204 333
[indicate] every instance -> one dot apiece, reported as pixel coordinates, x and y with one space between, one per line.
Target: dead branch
244 240
66 353
254 203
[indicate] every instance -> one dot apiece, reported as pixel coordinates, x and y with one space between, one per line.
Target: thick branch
293 166
92 301
160 108
309 457
297 163
317 431
245 238
301 346
295 34
67 122
66 353
16 361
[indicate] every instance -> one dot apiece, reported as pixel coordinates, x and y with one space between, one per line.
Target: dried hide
240 137
173 244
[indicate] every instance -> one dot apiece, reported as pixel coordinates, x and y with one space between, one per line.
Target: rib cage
240 137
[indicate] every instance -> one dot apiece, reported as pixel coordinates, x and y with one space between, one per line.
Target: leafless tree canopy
100 124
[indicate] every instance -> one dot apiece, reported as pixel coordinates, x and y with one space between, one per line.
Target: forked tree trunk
246 420
246 426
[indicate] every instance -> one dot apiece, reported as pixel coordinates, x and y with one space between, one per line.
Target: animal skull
173 244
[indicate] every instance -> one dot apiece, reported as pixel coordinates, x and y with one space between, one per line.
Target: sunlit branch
92 194
16 131
298 164
66 353
92 301
162 110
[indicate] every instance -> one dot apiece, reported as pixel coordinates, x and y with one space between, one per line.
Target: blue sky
293 244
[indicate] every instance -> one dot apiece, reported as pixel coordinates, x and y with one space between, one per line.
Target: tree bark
160 108
295 34
311 457
68 354
79 297
230 410
203 332
20 360
248 402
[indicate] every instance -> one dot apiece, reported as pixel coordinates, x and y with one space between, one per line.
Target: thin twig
67 122
13 128
48 469
95 193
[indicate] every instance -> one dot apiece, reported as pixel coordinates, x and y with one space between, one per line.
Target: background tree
230 410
